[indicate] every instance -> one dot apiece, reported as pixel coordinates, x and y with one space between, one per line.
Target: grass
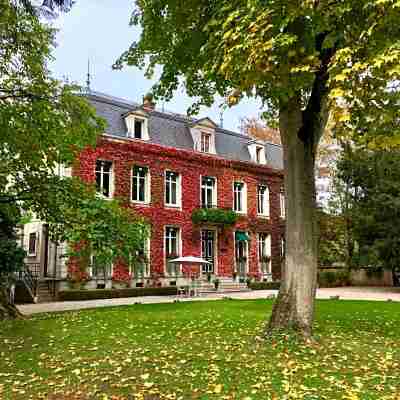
202 350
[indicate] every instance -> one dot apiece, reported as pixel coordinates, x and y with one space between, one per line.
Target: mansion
168 168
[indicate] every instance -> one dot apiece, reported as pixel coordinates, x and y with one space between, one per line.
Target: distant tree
303 59
258 129
374 181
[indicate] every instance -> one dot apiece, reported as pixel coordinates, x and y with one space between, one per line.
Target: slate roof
172 130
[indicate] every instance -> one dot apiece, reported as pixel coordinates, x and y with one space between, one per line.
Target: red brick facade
191 165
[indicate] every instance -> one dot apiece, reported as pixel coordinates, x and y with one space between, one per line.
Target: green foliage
333 278
93 294
332 239
11 254
214 216
276 50
103 229
43 123
374 180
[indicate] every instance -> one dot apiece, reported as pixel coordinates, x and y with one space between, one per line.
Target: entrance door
208 250
241 257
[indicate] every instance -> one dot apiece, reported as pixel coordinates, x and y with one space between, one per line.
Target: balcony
213 215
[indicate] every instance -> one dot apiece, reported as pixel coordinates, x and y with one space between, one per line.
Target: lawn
201 350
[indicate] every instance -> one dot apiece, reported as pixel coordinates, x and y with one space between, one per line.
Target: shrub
264 285
374 272
333 278
73 295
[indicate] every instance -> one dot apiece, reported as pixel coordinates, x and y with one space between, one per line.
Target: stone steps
226 285
43 293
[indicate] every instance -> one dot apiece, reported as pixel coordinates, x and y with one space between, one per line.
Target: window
172 249
140 185
208 192
100 270
32 244
141 266
282 204
104 177
263 200
139 125
172 189
239 197
259 154
264 253
205 142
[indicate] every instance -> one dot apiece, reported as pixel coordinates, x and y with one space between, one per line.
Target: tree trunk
7 310
294 307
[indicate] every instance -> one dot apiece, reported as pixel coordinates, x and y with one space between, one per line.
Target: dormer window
257 152
205 142
203 133
136 125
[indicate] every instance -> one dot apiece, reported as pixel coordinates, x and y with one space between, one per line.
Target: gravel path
346 293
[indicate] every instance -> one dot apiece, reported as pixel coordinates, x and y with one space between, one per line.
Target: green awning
241 236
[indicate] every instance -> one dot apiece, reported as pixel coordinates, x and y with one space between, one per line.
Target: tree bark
7 310
294 307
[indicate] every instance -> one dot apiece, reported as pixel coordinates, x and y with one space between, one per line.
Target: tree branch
312 113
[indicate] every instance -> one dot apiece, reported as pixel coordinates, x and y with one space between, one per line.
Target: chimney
148 103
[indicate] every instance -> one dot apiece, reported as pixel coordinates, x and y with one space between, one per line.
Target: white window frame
147 185
264 202
130 123
282 204
34 253
214 202
205 146
259 154
111 179
178 189
243 197
264 249
147 252
179 248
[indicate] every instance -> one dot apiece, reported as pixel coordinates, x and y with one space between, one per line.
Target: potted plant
216 283
208 277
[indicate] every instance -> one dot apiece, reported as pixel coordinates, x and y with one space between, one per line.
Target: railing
34 269
30 280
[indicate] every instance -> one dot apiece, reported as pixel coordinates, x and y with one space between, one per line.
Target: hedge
94 294
329 279
264 285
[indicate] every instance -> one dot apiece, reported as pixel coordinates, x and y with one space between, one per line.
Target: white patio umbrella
191 260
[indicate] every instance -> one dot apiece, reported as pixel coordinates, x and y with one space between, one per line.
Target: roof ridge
169 114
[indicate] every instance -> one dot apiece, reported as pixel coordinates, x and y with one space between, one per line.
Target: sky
99 30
